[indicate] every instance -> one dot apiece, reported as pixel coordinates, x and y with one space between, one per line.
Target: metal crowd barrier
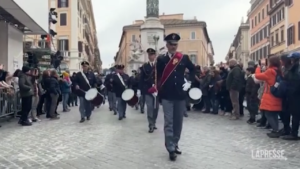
10 102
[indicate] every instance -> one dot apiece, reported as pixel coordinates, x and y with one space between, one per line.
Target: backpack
275 88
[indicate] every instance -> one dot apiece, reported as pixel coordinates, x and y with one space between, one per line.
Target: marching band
160 81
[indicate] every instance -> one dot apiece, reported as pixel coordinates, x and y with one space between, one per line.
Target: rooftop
170 22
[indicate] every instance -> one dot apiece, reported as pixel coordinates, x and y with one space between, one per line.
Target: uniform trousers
112 101
121 107
173 118
152 110
85 107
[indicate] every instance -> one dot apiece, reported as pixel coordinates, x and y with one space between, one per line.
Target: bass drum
130 97
195 95
94 97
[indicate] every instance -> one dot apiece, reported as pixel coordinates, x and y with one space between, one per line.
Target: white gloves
138 93
154 94
102 87
186 86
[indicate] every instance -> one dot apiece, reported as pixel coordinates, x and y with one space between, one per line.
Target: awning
19 14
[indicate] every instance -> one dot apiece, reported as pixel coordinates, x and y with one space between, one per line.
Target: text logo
268 154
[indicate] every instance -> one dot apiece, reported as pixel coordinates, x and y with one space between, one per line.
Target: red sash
170 67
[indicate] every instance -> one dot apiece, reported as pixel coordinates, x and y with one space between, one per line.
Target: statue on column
135 50
153 8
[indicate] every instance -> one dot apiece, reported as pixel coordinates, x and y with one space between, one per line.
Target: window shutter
294 31
58 3
66 45
67 3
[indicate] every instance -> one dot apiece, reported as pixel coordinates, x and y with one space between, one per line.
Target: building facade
76 34
17 19
240 48
277 26
259 29
194 42
293 25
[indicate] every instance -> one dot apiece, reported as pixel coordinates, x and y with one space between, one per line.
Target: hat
119 67
25 69
172 38
251 69
151 51
295 55
65 74
85 63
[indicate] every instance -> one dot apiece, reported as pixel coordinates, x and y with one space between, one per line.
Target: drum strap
121 79
85 78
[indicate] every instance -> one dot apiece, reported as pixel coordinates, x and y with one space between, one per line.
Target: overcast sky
222 17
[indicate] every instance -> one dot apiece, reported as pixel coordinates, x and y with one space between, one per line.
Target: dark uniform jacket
146 79
133 83
234 79
81 82
108 82
172 89
251 89
293 90
118 87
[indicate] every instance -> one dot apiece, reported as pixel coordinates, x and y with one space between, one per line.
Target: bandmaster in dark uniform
147 86
172 90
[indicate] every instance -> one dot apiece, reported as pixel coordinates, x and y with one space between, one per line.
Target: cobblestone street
208 142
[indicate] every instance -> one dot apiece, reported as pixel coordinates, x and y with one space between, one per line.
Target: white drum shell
195 93
91 94
127 94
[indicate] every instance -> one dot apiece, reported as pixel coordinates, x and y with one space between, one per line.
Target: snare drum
130 97
195 95
94 97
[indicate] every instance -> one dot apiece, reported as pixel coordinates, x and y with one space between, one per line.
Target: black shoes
24 123
82 120
88 118
274 134
172 156
151 129
251 121
177 150
290 137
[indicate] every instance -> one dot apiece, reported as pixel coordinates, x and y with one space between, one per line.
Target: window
255 21
267 8
193 35
263 14
62 3
252 25
291 35
282 35
133 38
258 17
63 19
63 44
193 58
288 2
272 40
43 44
276 37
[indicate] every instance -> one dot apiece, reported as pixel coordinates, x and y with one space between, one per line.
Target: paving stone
208 142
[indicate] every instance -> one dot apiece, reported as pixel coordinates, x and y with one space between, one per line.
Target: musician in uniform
111 95
172 89
83 81
133 84
120 83
142 99
147 87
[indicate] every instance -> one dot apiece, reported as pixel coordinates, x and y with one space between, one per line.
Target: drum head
195 93
91 94
127 94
